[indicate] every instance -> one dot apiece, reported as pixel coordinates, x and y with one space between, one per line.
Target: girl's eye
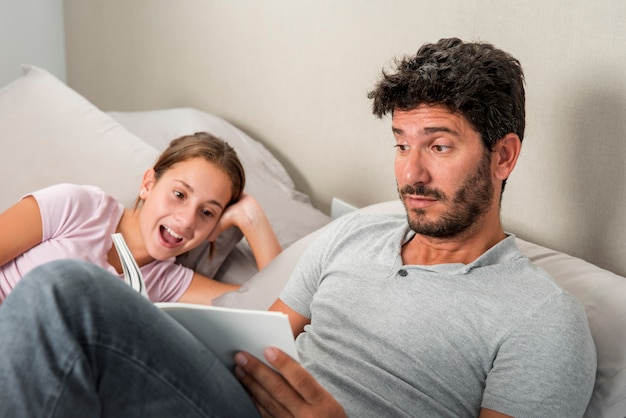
178 194
207 213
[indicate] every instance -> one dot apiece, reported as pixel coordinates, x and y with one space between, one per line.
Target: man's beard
470 202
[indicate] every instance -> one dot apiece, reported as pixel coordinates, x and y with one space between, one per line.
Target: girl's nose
186 217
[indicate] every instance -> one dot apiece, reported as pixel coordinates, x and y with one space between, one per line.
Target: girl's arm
203 290
248 216
21 229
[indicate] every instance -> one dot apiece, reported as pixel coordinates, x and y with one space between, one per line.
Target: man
440 316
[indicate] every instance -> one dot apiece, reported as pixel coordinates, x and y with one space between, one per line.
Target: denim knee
66 279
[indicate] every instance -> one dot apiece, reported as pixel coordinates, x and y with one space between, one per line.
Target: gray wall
31 32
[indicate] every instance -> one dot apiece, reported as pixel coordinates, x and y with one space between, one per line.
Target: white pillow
51 134
159 127
602 293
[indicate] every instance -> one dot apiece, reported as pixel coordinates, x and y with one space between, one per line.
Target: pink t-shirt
77 223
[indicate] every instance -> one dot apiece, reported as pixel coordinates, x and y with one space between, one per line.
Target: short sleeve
547 366
67 208
308 272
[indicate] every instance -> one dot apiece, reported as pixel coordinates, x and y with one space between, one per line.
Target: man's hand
292 393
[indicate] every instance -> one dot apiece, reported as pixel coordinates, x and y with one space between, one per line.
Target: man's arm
292 392
490 413
296 320
296 393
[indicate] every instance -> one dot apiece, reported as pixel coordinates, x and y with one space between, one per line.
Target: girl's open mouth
169 236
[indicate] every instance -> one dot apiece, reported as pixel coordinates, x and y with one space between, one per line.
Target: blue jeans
75 341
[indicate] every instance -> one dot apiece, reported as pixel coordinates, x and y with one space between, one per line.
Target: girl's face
181 209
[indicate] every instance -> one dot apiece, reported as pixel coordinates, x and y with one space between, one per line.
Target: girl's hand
249 217
238 214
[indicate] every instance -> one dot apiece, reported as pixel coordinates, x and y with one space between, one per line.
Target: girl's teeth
172 233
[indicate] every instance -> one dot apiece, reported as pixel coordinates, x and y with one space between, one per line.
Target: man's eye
401 147
441 148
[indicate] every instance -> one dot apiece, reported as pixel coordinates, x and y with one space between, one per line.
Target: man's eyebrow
437 129
189 188
428 131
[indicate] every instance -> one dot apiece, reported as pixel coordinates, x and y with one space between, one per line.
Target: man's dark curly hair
477 80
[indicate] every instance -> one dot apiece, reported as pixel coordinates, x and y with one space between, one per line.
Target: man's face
443 171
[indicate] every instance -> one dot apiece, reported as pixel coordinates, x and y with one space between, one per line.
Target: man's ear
505 155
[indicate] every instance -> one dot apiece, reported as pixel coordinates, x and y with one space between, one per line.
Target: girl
192 194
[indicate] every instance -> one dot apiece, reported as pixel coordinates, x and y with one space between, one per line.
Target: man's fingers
304 384
292 391
267 388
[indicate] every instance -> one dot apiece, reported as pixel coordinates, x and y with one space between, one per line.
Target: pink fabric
77 223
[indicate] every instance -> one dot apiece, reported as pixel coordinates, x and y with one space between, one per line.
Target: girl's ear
147 182
506 153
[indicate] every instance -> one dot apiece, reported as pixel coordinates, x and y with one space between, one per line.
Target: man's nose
414 169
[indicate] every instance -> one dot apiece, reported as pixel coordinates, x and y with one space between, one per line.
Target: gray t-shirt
388 339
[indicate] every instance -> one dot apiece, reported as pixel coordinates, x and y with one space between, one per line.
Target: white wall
31 32
294 74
